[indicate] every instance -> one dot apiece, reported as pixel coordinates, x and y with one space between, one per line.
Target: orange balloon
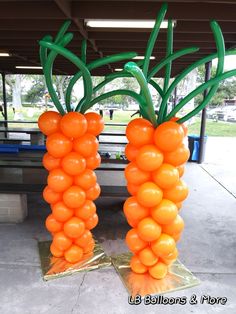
74 197
73 164
50 196
55 251
94 192
74 254
164 245
140 132
48 122
91 222
179 205
178 156
95 123
133 210
165 212
131 151
137 266
58 145
61 241
87 145
180 170
61 212
132 222
85 239
93 162
175 227
86 211
166 176
149 158
168 136
185 129
158 271
73 124
149 194
74 227
148 229
177 193
176 236
52 224
89 247
135 175
169 259
132 188
86 180
147 257
50 162
134 242
59 181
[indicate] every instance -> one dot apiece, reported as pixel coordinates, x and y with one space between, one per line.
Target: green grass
214 128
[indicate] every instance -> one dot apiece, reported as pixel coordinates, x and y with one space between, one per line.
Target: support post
4 96
175 97
203 118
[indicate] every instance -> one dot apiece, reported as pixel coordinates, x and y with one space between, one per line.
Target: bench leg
37 139
13 208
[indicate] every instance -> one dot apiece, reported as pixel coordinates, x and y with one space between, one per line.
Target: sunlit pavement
207 248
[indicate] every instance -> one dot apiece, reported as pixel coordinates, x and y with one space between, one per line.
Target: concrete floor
207 248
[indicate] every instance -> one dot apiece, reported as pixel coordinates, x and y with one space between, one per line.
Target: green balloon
48 70
75 60
147 106
153 37
95 64
220 68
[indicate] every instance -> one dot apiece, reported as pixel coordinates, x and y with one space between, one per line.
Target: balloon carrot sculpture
157 153
72 152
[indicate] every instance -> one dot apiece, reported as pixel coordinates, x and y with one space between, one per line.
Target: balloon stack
157 153
72 148
157 158
72 183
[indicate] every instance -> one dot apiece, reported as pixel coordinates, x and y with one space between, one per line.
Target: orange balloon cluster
157 158
72 155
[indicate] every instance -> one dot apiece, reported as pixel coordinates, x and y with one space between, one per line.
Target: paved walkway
220 161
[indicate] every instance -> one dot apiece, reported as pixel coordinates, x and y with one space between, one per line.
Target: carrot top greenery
140 70
50 48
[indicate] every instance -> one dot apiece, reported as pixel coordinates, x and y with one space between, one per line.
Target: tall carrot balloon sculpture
72 152
157 153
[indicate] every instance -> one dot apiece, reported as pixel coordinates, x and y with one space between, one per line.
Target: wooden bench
22 173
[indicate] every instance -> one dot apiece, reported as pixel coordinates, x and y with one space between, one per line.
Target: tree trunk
16 98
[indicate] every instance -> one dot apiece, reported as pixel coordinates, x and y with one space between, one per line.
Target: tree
37 90
14 82
226 89
61 82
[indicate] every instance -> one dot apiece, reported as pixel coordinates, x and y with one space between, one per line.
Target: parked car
212 113
230 116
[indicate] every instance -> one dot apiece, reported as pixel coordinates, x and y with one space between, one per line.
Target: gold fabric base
178 278
54 267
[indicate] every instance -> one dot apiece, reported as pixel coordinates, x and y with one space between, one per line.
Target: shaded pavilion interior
24 23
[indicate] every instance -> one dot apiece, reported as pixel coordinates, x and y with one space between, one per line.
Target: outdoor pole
203 119
4 100
175 97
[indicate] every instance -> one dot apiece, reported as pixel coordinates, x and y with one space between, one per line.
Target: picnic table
36 136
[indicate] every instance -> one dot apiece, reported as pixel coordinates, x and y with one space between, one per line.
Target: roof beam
198 11
65 7
162 37
24 10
